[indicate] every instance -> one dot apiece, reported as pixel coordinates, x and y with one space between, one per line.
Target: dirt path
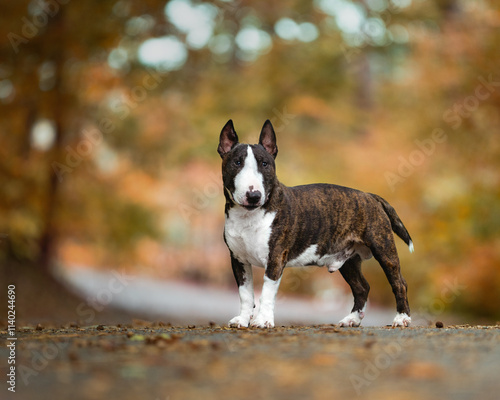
158 362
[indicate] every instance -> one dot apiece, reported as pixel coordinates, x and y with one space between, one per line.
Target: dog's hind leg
351 271
384 251
244 279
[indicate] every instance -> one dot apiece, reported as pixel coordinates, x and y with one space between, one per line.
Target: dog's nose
254 197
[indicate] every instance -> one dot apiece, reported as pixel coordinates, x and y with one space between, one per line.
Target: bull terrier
273 226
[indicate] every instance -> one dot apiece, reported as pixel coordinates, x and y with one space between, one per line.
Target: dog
272 226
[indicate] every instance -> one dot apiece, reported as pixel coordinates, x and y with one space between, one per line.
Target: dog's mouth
250 206
251 200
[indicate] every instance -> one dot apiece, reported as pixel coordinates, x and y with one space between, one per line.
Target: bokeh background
110 113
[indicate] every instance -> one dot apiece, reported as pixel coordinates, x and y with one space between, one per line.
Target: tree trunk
363 92
48 238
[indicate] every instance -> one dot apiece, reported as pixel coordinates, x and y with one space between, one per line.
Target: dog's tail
396 223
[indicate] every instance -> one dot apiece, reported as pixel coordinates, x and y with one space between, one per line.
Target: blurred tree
47 48
105 104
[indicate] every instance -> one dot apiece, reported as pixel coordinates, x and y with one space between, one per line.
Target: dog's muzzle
253 197
251 200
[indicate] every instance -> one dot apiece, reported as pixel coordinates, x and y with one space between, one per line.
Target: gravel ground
155 361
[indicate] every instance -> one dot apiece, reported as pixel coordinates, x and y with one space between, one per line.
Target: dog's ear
228 138
268 139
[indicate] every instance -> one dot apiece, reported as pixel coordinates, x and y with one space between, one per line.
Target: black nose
254 196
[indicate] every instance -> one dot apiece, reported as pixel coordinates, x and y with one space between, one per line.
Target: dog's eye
264 163
237 162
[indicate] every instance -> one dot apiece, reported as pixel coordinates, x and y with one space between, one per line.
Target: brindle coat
331 216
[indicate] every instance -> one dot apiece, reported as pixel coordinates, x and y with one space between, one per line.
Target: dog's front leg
265 316
244 279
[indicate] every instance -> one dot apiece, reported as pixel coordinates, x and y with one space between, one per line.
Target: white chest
247 235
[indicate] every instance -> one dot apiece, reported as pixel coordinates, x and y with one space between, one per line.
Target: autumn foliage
108 160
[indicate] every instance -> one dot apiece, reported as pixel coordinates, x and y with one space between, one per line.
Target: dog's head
248 171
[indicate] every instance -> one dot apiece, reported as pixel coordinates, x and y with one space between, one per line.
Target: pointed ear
268 139
228 138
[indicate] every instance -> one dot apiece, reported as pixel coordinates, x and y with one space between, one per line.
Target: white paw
239 322
353 319
262 321
401 319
